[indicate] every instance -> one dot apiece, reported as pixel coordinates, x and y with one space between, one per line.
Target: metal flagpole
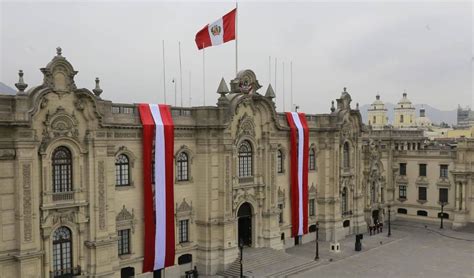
269 69
164 72
275 75
175 93
204 73
236 38
189 88
291 86
180 74
283 88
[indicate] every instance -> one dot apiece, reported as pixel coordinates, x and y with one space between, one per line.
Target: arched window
346 155
122 170
245 159
280 161
185 259
62 252
312 160
344 200
182 167
62 170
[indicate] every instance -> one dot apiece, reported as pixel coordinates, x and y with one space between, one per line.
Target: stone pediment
124 215
184 207
59 74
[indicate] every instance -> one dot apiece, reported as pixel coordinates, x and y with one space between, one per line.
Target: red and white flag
218 32
299 152
158 130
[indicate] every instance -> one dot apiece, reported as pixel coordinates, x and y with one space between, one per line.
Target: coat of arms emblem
216 30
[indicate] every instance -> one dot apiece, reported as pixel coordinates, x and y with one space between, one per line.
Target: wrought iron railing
66 272
63 196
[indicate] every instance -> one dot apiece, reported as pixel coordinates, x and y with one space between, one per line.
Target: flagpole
189 88
204 73
180 74
291 85
236 37
283 87
270 70
164 72
276 76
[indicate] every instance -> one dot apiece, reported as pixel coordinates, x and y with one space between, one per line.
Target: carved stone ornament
246 83
246 126
184 210
281 196
59 75
63 217
125 219
7 154
59 124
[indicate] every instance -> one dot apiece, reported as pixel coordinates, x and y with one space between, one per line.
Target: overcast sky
425 48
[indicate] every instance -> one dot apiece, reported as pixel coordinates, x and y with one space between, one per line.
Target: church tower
377 114
404 113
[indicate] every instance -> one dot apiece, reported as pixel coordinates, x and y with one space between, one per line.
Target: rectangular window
183 231
280 207
123 242
402 192
422 193
422 170
375 120
443 195
403 169
311 207
443 171
381 195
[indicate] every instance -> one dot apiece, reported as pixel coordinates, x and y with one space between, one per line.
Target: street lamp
389 228
317 242
442 213
241 248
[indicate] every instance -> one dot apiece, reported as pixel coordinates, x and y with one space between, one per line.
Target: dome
404 103
377 104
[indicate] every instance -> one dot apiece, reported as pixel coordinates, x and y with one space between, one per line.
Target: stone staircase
260 262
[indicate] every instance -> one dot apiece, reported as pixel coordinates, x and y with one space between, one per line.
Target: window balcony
246 179
66 273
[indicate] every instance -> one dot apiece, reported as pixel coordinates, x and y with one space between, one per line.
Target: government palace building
71 177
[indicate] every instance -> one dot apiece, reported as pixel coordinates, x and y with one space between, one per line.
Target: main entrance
375 216
245 224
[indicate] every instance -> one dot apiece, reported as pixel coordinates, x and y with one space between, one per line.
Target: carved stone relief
101 189
27 205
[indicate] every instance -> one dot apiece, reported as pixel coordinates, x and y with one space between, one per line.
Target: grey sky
425 48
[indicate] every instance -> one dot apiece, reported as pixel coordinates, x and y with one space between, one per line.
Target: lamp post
389 228
317 242
241 248
442 214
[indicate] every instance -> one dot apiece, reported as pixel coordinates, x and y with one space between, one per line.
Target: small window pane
122 168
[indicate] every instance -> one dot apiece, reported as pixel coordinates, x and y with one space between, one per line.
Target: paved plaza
413 250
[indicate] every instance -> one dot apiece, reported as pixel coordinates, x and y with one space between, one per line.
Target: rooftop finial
345 89
357 106
332 106
270 93
21 85
58 51
377 97
97 90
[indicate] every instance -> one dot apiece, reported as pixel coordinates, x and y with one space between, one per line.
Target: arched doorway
375 216
245 224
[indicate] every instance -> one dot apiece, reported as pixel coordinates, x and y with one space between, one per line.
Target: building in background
465 117
71 177
377 114
405 114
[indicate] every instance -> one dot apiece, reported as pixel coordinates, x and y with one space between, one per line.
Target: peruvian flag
218 32
299 152
158 141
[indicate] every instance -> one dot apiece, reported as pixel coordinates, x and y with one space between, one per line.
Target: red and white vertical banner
158 138
299 152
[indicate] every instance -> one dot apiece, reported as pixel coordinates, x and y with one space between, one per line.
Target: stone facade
355 176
